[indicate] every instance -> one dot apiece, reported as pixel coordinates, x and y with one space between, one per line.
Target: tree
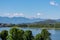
38 37
16 34
9 37
20 34
4 34
28 35
45 34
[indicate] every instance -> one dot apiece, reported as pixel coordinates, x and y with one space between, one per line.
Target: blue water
55 34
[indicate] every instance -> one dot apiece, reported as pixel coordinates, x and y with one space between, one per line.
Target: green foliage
38 37
4 34
28 35
16 34
9 37
45 34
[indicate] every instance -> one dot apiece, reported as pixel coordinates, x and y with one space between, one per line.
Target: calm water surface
55 34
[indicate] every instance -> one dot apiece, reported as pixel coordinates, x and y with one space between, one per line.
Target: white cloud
38 14
12 15
53 3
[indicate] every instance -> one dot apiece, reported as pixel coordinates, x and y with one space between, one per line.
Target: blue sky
46 9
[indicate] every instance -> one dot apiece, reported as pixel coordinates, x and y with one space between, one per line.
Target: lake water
55 34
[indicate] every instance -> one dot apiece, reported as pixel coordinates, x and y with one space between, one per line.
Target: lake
55 34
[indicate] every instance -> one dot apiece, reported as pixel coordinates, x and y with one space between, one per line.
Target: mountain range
19 20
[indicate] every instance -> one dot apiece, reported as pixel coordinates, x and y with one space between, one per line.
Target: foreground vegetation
17 34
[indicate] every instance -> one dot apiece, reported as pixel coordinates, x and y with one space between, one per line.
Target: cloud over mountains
12 15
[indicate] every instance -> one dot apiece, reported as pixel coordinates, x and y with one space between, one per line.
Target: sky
45 9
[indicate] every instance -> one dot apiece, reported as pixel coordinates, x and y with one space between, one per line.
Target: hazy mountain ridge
48 21
18 20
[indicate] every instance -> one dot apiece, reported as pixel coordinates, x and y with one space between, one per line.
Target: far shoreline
33 28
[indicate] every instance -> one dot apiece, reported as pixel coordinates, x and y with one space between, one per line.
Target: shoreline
33 28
